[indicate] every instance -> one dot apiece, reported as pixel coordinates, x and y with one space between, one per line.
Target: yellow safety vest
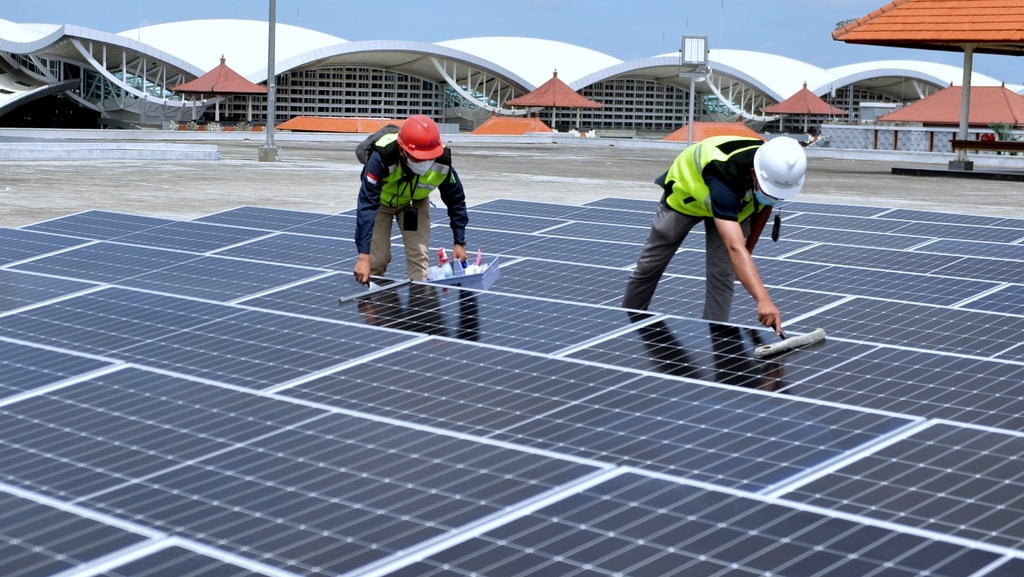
689 194
399 188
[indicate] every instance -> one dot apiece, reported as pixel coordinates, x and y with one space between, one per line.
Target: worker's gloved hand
769 316
362 269
459 253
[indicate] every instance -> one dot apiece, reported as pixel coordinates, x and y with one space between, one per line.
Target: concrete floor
323 176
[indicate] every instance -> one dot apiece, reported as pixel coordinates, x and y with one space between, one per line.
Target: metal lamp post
694 64
268 152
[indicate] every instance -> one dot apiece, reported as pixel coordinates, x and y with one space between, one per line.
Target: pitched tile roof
554 94
220 80
989 105
804 102
996 26
511 125
702 130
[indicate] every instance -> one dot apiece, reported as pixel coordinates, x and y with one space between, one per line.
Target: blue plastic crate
483 280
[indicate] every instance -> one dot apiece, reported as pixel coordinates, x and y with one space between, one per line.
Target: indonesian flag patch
371 178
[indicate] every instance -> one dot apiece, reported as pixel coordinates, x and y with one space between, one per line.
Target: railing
995 145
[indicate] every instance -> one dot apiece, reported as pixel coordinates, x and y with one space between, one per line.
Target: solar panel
633 525
98 224
176 561
191 397
191 236
37 539
24 367
16 244
945 478
18 289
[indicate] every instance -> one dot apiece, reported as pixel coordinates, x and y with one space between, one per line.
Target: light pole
268 152
694 65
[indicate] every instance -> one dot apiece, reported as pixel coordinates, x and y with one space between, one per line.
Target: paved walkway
323 176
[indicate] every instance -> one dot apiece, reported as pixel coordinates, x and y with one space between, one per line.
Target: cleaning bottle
446 267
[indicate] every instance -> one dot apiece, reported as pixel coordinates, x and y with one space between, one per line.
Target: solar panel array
192 398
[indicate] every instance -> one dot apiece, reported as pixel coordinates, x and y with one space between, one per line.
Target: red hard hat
420 138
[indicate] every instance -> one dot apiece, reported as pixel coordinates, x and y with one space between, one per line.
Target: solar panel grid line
286 286
96 287
408 424
82 511
55 252
217 251
116 559
257 568
626 329
957 480
396 348
822 309
1003 551
1002 287
402 559
779 490
70 381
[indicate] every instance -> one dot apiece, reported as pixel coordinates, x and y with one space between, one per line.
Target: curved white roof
243 43
14 32
940 73
535 59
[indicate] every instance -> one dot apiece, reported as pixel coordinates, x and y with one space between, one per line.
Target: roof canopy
989 105
702 130
804 102
554 94
220 80
992 26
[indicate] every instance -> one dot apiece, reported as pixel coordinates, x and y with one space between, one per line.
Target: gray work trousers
668 230
415 241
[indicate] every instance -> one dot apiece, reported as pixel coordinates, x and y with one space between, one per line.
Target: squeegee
789 343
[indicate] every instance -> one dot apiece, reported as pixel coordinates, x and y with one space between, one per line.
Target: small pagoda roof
220 80
554 94
804 102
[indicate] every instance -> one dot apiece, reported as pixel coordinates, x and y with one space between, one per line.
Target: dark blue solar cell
24 367
17 244
105 262
263 218
191 236
220 279
42 540
98 224
18 289
297 249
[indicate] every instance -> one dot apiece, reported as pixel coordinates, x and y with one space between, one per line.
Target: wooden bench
996 145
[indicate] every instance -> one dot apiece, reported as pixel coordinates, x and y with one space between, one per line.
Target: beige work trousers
415 242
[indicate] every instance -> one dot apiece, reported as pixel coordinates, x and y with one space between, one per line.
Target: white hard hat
780 165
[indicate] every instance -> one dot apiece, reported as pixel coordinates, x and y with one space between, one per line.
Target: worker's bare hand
362 269
768 315
459 253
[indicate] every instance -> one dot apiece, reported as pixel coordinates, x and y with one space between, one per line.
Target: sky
625 29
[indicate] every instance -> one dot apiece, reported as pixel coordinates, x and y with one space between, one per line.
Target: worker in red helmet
400 173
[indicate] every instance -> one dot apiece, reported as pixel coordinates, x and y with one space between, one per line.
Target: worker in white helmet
730 183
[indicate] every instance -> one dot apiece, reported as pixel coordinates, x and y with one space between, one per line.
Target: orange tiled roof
989 105
997 26
554 94
511 125
220 80
702 130
804 102
335 124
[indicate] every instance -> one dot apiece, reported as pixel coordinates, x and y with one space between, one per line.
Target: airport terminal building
128 79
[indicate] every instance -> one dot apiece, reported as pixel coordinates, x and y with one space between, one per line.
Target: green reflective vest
689 194
399 187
